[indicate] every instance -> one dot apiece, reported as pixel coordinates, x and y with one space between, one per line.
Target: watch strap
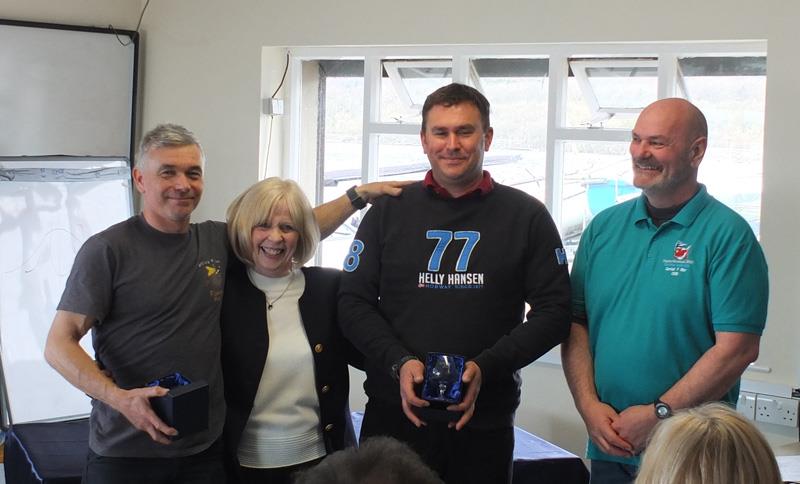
356 200
395 370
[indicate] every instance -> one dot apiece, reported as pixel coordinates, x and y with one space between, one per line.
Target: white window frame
398 81
666 53
579 69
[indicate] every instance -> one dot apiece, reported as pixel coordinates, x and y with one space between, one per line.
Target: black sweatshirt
427 274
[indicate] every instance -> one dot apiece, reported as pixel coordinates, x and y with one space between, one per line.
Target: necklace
270 304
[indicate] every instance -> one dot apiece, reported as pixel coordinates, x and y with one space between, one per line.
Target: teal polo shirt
653 297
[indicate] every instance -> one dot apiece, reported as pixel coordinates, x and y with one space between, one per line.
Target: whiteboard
48 208
65 90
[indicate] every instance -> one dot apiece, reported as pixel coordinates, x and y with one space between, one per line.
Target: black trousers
466 456
203 468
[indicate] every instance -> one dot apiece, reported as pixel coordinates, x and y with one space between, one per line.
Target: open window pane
579 115
611 91
406 85
618 88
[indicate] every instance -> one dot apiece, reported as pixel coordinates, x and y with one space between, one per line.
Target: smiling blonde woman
284 360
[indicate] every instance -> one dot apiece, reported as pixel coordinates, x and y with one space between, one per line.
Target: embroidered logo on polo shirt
680 262
681 250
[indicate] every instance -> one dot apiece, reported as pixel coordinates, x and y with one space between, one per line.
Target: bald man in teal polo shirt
669 296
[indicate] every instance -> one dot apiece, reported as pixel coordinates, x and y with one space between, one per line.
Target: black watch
395 369
663 411
355 199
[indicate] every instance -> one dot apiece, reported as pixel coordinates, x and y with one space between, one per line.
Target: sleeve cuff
487 366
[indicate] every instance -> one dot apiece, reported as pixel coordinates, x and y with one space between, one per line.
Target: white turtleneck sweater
283 428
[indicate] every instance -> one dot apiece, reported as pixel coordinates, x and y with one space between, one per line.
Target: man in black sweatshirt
448 267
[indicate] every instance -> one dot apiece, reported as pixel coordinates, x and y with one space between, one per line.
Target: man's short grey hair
167 136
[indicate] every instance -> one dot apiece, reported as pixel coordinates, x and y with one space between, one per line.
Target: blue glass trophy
442 386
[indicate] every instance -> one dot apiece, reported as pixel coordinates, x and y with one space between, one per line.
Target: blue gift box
185 407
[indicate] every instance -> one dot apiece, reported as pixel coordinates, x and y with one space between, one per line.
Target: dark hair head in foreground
379 460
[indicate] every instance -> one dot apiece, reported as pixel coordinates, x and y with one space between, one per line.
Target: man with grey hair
150 289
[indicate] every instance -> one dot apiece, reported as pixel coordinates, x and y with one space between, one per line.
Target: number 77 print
444 238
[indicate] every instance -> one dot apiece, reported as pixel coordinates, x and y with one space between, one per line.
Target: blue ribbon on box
170 381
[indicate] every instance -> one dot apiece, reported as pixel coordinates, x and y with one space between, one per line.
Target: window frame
580 71
558 55
393 68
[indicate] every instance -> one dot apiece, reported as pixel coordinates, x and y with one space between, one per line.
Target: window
517 90
612 92
731 93
340 109
597 175
562 116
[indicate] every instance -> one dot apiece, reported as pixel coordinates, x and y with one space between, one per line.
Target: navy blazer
245 342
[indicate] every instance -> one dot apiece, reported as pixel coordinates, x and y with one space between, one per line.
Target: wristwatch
355 199
395 370
663 410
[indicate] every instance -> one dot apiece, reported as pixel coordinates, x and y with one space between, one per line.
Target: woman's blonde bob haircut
255 206
710 444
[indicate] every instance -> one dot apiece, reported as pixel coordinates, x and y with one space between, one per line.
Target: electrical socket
776 410
746 405
766 408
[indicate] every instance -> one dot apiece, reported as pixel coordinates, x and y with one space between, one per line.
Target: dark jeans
279 475
466 456
203 468
607 472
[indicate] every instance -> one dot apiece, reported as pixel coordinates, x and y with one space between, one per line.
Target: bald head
668 143
682 113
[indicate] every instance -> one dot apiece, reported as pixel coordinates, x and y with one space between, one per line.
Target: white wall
202 67
93 13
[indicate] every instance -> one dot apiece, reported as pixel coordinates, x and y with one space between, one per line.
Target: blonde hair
255 206
710 444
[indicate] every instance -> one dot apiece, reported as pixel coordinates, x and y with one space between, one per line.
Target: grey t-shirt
156 298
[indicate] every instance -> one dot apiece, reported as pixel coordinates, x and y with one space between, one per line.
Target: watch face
662 411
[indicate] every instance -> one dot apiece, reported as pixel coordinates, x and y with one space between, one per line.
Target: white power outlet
746 405
776 410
